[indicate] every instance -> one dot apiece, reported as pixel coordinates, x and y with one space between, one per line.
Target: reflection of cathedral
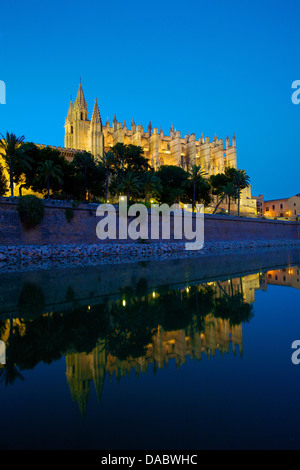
83 368
214 334
177 345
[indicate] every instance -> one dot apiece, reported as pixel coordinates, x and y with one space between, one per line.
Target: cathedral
82 133
92 136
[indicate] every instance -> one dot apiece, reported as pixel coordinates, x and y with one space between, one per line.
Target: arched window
71 129
81 116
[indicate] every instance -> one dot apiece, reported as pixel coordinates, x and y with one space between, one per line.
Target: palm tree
46 171
84 161
229 191
108 161
196 175
13 150
151 184
129 183
176 194
241 180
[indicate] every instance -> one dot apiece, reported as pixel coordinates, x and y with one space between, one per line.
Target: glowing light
124 303
187 289
153 294
89 307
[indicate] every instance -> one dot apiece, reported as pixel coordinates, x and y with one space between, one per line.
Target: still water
173 355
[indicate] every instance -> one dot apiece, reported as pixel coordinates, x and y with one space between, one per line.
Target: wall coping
57 204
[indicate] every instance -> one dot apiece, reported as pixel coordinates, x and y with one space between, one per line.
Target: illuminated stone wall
55 229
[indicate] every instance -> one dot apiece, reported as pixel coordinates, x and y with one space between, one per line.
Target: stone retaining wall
56 230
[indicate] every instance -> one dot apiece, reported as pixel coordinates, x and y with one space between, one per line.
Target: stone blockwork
56 230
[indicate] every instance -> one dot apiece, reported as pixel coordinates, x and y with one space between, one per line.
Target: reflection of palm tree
9 374
233 308
31 301
131 328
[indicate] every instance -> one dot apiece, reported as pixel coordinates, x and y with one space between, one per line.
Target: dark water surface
185 354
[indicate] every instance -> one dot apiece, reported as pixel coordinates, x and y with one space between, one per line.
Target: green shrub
69 213
31 210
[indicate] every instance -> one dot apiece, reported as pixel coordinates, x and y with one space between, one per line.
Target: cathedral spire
80 106
80 100
133 125
96 113
70 111
115 122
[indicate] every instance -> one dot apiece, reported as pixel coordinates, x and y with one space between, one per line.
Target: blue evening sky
205 66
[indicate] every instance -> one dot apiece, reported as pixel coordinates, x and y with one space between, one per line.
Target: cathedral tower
80 132
96 137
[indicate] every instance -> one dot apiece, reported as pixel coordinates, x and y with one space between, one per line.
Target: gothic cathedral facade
92 136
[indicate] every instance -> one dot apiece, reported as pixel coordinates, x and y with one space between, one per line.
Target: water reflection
139 329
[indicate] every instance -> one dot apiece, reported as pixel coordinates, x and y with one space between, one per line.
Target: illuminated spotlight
124 303
122 198
89 307
153 294
151 201
187 289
